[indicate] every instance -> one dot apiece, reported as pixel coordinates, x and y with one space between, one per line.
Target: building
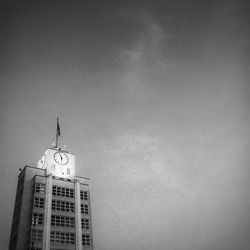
52 206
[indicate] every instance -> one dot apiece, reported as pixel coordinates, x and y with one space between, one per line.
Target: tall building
52 206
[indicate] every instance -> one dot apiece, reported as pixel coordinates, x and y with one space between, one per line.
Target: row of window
38 202
62 206
62 191
68 192
56 237
62 221
62 238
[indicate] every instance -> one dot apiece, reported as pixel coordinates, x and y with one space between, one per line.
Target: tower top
57 161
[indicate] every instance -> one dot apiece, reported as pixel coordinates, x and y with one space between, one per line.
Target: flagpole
57 124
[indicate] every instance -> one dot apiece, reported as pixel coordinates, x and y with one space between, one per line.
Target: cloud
145 58
138 157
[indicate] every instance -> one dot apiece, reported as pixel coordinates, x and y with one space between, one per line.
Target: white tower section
58 162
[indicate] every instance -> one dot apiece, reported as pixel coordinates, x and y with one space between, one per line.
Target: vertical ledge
47 214
90 220
78 221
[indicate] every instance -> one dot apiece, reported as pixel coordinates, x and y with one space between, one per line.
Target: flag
58 131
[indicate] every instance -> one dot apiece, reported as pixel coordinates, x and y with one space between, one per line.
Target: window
53 167
85 223
37 219
84 195
68 171
36 235
38 202
84 209
62 191
39 188
62 238
62 206
62 221
86 240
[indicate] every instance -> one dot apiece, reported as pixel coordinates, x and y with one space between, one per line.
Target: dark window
84 209
84 195
37 219
86 240
85 223
38 202
36 235
39 188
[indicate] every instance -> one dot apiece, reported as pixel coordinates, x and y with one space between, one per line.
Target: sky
153 99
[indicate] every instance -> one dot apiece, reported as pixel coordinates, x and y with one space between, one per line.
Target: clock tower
52 206
57 162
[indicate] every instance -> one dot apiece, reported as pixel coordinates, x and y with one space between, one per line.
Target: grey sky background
153 99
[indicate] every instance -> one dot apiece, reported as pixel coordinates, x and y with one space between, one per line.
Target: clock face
43 158
61 158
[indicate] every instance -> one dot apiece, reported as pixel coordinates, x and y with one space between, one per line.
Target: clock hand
60 156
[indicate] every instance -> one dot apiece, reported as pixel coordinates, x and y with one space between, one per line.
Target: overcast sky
153 99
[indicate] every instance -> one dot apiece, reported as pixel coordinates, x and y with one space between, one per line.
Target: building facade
52 207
